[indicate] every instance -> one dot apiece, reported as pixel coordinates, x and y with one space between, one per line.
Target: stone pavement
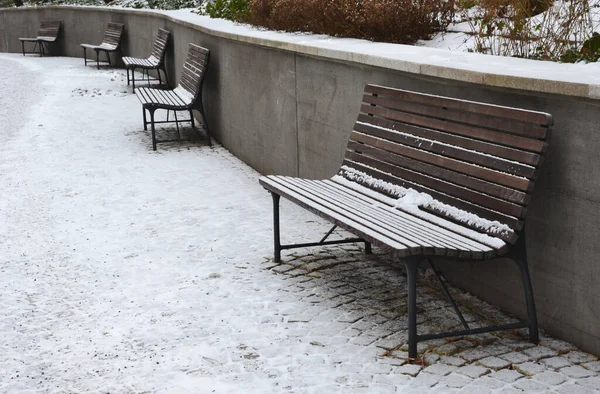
364 299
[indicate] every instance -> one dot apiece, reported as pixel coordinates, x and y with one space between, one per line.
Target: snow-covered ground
124 270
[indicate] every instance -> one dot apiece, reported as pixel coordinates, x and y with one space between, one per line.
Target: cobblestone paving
364 300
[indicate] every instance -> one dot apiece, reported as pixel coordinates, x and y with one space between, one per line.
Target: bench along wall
287 112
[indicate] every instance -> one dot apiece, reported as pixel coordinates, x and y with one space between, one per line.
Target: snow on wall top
581 80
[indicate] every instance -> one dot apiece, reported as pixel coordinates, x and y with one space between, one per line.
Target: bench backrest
113 34
194 70
160 44
476 157
49 29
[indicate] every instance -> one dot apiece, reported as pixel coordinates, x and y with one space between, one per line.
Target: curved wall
287 112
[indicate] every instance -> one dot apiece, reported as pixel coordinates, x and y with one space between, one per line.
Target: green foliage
589 52
171 4
234 10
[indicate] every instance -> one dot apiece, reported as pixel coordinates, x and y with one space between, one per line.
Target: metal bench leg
133 78
166 76
412 265
153 130
23 47
98 60
192 120
534 335
127 71
108 58
276 238
145 122
204 121
84 56
176 123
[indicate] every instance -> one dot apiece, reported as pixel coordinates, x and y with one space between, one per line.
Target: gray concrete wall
289 113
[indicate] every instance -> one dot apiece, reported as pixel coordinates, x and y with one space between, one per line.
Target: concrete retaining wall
288 112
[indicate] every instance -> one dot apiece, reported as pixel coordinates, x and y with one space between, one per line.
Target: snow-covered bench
429 176
110 43
47 33
156 61
187 96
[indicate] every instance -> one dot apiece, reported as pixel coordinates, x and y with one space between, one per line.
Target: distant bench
47 33
429 176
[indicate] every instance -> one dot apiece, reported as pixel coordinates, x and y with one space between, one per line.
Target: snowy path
124 270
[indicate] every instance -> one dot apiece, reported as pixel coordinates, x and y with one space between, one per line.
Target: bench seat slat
410 229
340 220
444 236
318 198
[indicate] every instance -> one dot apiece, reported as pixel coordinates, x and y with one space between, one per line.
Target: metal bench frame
110 43
477 157
47 33
190 85
156 61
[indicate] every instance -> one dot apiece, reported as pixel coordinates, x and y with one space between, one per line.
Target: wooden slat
462 154
509 140
413 224
479 185
529 130
467 206
504 152
342 221
469 106
444 162
373 160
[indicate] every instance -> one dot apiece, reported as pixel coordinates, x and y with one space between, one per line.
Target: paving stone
363 340
482 339
592 382
440 369
507 375
572 388
408 369
530 386
540 352
473 354
473 371
556 362
446 350
494 363
451 360
578 357
496 349
550 378
471 389
430 358
426 379
529 368
515 357
396 380
509 390
558 345
592 366
455 380
576 372
488 383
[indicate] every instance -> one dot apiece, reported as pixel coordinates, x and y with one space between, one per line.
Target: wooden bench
427 176
47 33
110 43
156 61
187 96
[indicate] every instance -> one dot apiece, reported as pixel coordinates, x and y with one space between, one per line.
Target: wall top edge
579 80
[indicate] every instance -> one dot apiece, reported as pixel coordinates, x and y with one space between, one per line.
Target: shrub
401 21
536 29
234 10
